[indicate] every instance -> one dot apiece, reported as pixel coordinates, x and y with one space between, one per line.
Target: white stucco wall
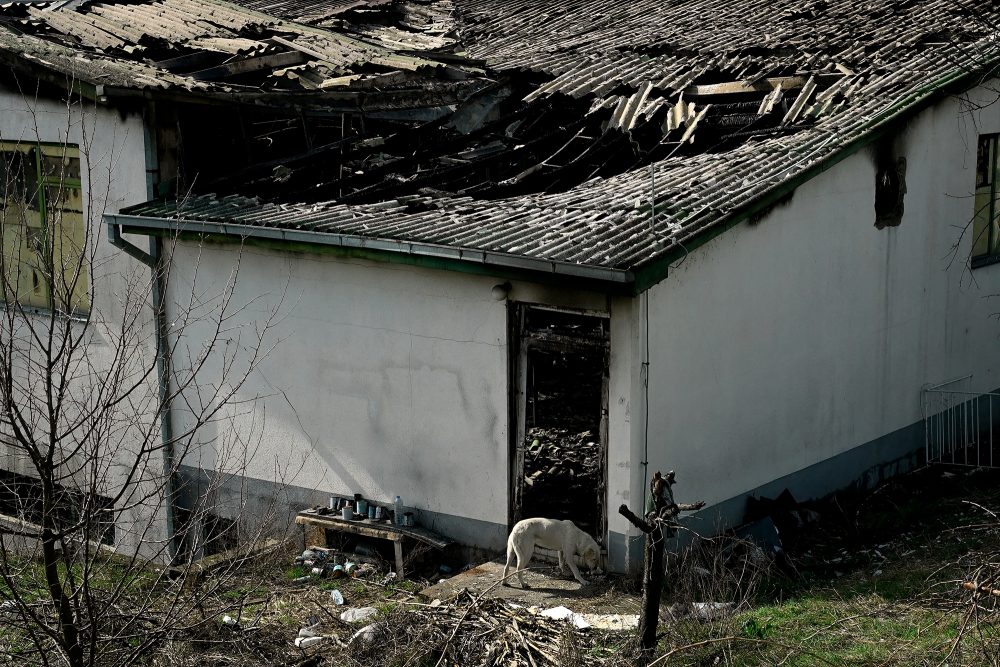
773 348
384 379
113 175
782 344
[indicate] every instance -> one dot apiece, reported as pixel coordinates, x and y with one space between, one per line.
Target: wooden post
658 525
652 584
652 591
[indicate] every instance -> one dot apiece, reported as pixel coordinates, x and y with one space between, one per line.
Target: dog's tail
510 555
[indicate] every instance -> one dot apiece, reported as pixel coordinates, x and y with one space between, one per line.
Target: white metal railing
961 427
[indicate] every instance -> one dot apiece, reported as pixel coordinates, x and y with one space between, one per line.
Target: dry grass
876 582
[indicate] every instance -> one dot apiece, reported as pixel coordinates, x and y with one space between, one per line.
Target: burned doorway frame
519 343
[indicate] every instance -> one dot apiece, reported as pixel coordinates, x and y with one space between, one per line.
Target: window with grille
42 233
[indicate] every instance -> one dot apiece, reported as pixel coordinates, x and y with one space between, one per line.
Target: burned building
532 251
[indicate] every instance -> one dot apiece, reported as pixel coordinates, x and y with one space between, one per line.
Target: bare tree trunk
67 627
652 589
68 631
652 584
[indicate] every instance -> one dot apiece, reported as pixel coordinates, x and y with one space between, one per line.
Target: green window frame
42 227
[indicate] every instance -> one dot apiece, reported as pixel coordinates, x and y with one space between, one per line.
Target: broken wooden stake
652 584
659 524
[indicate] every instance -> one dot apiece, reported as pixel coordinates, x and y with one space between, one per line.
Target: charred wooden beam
248 65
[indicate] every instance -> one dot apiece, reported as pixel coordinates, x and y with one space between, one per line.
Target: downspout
154 260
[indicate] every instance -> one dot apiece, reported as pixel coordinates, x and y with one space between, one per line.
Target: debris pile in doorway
557 452
572 459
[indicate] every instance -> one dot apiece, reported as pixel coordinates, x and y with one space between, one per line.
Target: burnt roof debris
515 126
211 46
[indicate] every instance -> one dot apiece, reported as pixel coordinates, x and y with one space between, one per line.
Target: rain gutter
154 260
437 256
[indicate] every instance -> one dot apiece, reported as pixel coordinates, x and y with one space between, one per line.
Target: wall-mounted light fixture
501 291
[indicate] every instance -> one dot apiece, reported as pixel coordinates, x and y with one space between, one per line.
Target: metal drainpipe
154 260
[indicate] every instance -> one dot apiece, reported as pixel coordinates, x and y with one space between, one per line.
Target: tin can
371 512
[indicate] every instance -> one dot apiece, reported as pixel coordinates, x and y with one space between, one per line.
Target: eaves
464 260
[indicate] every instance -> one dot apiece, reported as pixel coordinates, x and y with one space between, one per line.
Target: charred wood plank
248 65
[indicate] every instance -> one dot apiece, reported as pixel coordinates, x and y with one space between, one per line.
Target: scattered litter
305 642
365 634
709 611
436 602
359 614
228 620
337 597
308 632
564 614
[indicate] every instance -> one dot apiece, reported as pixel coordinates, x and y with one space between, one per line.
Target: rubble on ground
471 631
568 459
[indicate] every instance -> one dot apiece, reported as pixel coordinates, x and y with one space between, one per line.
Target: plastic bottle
397 511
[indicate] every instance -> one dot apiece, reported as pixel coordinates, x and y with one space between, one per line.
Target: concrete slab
548 588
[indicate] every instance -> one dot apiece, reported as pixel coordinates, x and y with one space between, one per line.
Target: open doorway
559 448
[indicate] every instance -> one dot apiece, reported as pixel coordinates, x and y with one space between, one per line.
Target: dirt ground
548 588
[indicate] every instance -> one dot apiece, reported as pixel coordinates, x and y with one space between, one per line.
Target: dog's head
591 557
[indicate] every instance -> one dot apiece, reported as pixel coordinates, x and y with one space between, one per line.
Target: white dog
563 536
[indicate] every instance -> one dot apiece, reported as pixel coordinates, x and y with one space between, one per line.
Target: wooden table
376 529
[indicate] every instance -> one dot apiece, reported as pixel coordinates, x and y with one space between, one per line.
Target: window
42 231
986 234
21 497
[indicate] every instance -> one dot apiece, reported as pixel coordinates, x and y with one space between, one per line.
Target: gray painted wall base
260 498
865 466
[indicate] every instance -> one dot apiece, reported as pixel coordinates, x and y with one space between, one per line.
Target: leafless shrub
104 403
708 582
717 569
976 595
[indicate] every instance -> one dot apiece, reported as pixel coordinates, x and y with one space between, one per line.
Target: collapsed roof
518 128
